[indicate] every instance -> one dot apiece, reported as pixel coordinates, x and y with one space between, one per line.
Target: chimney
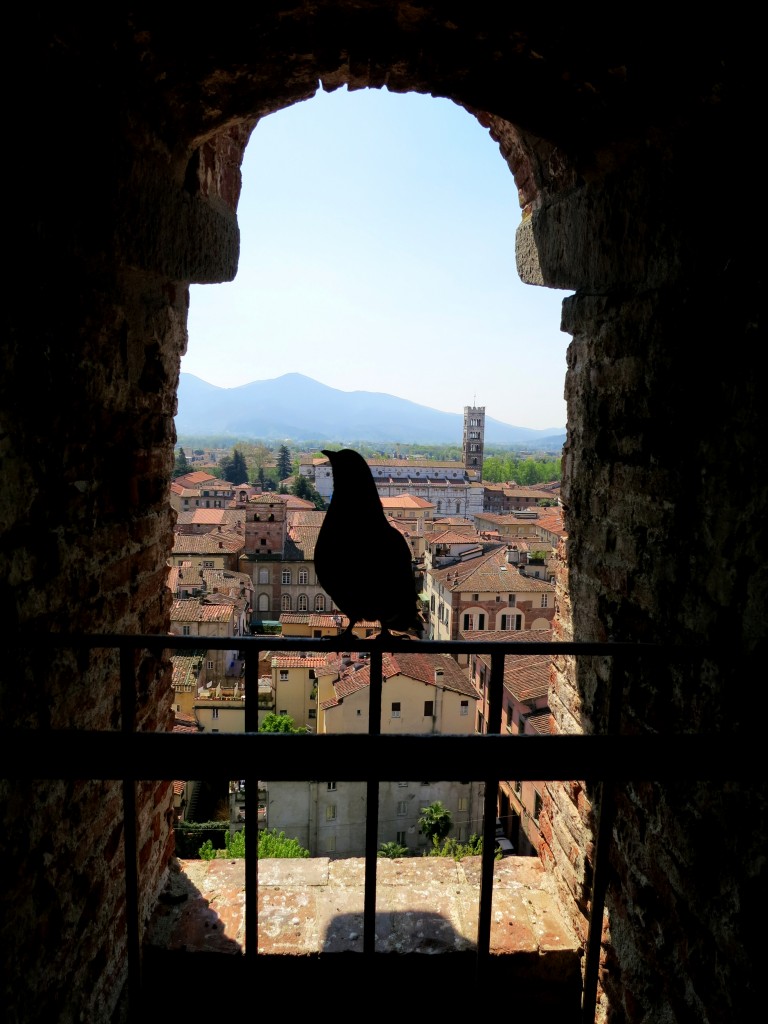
439 673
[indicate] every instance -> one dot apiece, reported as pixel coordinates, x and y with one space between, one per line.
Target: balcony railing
130 756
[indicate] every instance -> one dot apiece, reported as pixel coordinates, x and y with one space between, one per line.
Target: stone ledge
314 906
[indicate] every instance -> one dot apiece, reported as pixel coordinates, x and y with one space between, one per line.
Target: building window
429 709
285 602
319 602
331 787
263 575
208 564
283 674
396 709
463 803
330 812
303 576
312 713
283 711
536 807
330 844
481 621
518 787
303 605
509 716
544 600
209 664
512 600
401 839
263 602
185 630
464 707
285 577
403 785
215 712
467 622
402 808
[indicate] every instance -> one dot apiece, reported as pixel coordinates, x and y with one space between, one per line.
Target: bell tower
474 441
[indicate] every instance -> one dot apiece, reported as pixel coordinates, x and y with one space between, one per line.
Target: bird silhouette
361 560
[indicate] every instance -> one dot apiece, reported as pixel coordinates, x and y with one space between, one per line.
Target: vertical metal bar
251 697
372 809
130 834
493 726
607 807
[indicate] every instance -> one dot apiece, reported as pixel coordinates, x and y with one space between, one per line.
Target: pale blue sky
377 254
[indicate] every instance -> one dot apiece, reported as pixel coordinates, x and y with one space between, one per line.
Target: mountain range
295 407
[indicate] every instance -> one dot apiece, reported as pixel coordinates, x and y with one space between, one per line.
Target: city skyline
383 260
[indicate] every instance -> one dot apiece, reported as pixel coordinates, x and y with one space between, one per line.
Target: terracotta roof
516 636
290 501
196 478
194 610
211 516
526 676
183 668
327 619
490 572
539 721
406 501
297 661
207 543
300 543
417 666
306 517
452 537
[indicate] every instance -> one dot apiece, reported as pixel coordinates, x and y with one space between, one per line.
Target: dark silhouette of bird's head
361 560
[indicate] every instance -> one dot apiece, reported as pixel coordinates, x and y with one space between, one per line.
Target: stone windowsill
426 905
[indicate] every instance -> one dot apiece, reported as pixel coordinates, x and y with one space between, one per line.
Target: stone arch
605 131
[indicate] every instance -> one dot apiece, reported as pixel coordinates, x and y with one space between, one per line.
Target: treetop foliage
279 723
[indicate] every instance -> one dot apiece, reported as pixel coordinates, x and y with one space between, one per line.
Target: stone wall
124 179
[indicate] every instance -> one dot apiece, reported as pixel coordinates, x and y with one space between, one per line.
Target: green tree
234 844
435 821
458 851
275 844
392 850
302 488
279 723
284 463
234 468
206 851
181 465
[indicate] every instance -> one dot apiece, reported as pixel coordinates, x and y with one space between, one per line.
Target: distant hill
295 407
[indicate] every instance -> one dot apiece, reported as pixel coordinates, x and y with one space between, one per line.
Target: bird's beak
325 453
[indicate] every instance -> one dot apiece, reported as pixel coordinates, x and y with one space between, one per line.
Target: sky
377 253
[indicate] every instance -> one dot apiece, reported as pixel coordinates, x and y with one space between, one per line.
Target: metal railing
607 759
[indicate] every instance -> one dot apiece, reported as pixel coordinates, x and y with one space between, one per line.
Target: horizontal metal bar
67 754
